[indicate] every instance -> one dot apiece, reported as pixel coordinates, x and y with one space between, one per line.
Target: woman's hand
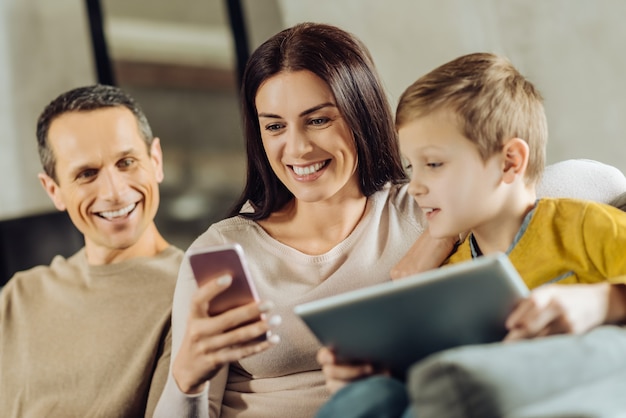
425 254
210 342
563 309
339 375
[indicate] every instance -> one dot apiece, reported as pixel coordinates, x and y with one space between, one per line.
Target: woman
324 211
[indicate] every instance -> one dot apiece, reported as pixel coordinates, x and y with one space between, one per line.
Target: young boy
474 132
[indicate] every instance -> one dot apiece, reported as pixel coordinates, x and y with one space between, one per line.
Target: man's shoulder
58 265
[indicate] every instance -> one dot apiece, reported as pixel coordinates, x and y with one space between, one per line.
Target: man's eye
125 163
86 174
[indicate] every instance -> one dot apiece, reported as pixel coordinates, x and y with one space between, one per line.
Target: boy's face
455 188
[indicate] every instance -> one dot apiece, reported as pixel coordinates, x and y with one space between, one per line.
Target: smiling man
89 336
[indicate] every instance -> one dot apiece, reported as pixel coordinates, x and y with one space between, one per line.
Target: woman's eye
318 121
434 165
273 127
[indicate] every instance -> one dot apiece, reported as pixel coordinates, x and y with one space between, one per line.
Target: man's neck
149 244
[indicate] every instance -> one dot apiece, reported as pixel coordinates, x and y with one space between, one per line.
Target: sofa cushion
582 179
555 376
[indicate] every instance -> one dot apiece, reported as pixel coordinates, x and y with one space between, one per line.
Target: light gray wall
573 50
44 50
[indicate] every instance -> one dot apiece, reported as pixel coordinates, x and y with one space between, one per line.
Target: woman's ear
515 152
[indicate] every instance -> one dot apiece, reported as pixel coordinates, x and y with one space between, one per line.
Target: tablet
394 324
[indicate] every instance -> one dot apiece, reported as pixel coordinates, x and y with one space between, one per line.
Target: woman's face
307 141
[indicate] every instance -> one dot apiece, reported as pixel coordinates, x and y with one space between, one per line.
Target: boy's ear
515 153
52 188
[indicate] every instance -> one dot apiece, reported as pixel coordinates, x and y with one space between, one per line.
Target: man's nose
112 184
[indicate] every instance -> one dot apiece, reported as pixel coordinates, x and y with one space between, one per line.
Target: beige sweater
286 381
86 341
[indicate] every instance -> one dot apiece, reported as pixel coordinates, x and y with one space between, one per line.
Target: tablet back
398 323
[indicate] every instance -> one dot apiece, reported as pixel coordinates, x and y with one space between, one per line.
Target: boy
474 132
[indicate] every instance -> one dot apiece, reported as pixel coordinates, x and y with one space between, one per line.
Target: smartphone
209 263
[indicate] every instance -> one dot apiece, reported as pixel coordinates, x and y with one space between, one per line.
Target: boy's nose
417 188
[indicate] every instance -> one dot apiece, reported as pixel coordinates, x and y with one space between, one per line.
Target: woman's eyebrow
304 113
316 108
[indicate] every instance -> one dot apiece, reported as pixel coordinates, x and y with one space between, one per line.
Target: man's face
106 178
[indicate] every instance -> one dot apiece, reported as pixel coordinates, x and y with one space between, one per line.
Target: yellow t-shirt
566 241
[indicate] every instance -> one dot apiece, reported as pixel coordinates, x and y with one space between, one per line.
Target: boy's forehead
435 130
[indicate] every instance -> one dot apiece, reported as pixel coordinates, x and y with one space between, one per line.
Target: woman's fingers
210 342
206 293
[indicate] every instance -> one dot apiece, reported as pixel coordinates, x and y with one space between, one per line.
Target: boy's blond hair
492 101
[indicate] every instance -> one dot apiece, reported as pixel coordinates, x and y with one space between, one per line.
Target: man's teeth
118 213
310 169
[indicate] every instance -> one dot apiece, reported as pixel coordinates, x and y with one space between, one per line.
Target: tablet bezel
394 324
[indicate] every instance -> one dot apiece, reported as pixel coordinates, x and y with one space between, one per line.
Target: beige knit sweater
286 380
86 341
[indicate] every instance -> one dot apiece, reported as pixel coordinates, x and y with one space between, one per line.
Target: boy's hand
339 375
559 309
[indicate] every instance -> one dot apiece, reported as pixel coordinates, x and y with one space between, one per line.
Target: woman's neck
315 227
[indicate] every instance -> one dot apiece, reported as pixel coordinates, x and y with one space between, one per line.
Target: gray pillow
559 376
582 179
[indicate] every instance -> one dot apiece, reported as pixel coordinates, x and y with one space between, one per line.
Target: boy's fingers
325 356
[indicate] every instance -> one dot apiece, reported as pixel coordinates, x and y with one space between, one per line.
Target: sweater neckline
339 250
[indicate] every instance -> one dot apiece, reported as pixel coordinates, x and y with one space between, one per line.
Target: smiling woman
324 210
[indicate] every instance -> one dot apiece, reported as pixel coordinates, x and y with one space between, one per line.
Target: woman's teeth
310 169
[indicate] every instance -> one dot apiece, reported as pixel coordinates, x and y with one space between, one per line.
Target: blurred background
181 61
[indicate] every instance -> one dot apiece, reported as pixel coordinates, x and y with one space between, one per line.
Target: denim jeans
374 397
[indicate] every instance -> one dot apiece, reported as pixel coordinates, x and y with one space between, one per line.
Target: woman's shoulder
233 229
398 197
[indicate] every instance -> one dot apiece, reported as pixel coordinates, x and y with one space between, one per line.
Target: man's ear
156 155
515 153
52 188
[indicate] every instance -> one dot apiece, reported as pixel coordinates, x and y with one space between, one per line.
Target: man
89 336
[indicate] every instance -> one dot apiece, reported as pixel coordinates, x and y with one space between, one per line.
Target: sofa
557 376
